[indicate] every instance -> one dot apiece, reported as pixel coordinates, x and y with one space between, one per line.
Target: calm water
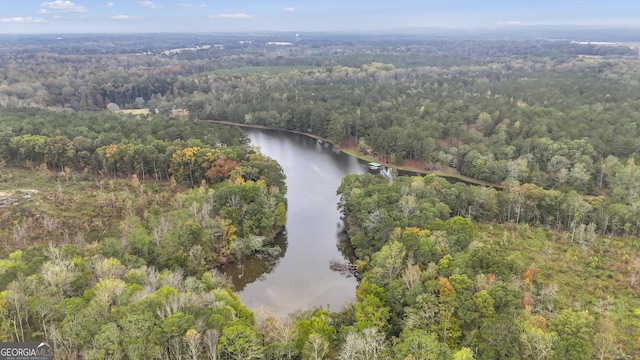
301 279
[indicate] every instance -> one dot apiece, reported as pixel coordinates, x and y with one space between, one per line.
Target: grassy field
136 111
179 113
43 206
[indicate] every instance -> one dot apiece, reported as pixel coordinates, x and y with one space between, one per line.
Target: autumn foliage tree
221 168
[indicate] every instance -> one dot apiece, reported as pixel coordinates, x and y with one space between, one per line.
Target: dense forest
112 229
117 204
490 110
508 292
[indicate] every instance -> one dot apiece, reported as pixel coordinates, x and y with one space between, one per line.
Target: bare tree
316 347
192 340
407 205
210 340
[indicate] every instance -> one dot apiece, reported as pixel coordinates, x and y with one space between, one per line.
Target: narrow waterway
301 278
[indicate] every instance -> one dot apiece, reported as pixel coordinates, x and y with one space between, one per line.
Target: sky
152 16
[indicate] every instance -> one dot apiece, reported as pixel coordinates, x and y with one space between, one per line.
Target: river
301 278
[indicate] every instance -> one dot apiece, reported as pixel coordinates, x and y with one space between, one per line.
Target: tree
59 152
420 344
464 354
574 330
136 327
313 322
484 303
316 347
536 343
183 164
371 312
506 297
14 301
108 343
221 168
210 339
387 264
460 232
169 333
424 314
30 147
113 107
407 205
281 215
192 340
261 167
278 335
240 342
498 338
367 344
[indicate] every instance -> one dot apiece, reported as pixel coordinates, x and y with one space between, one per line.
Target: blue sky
118 16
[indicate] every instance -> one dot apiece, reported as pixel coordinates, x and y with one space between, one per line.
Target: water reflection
345 248
255 267
302 277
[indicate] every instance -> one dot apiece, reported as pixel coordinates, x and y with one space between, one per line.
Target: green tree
420 344
169 332
464 354
136 328
498 338
460 232
387 264
108 343
574 330
312 322
240 342
536 343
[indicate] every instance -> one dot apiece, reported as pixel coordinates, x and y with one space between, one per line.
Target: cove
300 279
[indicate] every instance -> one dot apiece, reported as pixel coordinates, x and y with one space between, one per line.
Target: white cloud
126 17
23 20
233 16
149 5
110 4
288 8
510 23
190 5
61 17
61 6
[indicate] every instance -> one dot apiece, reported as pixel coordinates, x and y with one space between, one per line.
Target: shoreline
368 158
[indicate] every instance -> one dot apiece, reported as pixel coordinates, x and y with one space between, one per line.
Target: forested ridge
115 259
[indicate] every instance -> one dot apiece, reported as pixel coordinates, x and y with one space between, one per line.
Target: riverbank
303 278
450 174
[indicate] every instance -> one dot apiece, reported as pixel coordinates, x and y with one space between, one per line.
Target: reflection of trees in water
255 266
345 266
344 245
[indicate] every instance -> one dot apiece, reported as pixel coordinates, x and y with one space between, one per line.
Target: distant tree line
541 112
